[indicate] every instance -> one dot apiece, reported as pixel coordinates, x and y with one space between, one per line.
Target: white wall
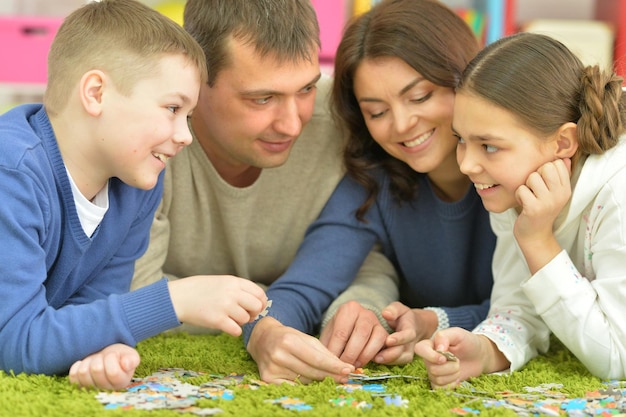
554 9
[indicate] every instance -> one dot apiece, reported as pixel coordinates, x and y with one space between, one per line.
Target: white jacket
580 295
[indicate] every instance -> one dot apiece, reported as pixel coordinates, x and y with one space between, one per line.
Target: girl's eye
490 148
173 109
458 138
377 115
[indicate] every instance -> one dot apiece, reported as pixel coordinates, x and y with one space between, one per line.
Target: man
266 157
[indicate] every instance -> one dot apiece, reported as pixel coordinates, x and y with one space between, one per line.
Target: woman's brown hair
425 34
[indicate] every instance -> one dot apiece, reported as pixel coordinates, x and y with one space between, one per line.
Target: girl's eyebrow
402 91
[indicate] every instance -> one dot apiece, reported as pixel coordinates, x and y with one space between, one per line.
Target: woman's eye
422 98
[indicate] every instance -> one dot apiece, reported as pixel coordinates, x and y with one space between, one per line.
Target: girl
540 139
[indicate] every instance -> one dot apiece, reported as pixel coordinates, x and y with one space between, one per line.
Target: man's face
253 114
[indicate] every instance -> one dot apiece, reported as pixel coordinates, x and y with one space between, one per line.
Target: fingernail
378 359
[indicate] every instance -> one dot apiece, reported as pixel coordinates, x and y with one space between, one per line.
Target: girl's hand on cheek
543 196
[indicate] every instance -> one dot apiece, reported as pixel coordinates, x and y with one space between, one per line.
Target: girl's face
407 115
496 151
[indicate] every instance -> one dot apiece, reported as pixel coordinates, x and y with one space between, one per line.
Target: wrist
441 317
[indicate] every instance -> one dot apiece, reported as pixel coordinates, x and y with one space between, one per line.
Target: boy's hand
111 369
221 302
354 334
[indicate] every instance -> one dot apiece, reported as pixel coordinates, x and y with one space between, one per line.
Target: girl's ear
566 140
91 89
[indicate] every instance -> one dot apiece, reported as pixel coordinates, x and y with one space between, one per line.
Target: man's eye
262 100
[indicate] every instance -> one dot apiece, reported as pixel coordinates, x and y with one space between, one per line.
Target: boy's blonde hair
124 38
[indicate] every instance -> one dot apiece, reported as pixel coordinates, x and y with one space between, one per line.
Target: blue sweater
65 295
442 252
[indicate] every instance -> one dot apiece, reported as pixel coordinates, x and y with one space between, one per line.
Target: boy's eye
458 137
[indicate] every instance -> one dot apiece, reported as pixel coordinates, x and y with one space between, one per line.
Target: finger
396 355
401 337
338 335
425 349
83 373
73 373
321 363
113 376
372 346
394 310
228 325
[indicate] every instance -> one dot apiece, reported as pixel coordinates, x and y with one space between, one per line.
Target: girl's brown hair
545 85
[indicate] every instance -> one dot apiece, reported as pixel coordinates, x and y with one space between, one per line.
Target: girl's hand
475 354
545 194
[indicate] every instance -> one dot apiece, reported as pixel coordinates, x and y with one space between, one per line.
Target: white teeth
483 186
162 157
419 140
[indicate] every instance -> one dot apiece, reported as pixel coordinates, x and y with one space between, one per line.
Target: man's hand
354 334
111 369
284 354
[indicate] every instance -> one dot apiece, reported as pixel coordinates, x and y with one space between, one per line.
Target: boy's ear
91 90
566 140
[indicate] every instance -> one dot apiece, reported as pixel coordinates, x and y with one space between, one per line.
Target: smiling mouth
164 158
418 140
479 186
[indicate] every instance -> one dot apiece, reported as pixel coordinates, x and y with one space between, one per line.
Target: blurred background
594 29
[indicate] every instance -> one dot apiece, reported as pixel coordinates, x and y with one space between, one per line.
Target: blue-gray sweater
442 252
65 295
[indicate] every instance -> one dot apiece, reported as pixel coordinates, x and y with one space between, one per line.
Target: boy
81 179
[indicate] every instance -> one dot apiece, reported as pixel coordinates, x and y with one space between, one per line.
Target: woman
395 73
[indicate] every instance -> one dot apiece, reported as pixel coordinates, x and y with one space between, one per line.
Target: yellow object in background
361 6
172 9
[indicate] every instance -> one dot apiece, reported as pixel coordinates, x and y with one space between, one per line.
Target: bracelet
442 318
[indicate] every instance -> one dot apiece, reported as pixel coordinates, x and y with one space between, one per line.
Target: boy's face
149 126
497 152
256 110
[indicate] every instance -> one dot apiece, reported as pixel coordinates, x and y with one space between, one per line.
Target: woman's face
407 115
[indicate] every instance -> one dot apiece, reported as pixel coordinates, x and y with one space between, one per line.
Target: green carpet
37 395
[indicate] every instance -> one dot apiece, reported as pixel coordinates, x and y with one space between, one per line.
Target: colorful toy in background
476 21
489 19
172 9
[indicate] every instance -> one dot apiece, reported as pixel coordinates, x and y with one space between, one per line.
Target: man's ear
566 140
91 91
